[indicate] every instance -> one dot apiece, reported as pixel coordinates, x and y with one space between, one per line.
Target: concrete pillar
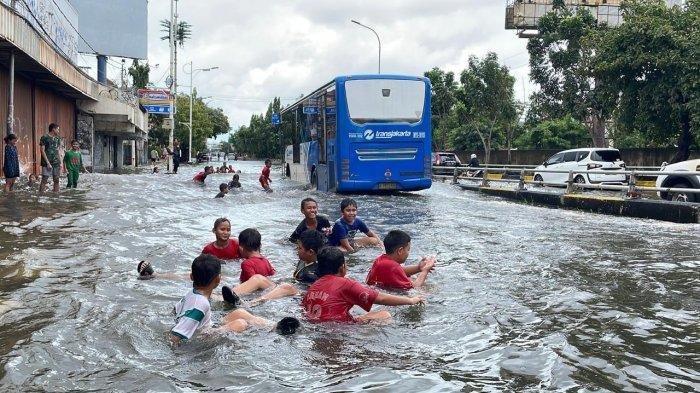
120 153
102 69
133 153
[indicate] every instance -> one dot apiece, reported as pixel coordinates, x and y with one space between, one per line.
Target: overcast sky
286 48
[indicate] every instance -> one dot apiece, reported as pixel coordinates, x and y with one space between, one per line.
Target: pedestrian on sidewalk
11 162
73 160
50 160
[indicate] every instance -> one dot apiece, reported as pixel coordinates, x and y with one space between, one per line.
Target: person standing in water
11 162
265 176
73 161
50 160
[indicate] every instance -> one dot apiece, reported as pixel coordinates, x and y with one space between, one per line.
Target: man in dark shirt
473 162
312 220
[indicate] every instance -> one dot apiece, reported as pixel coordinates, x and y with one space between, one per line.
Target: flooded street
523 298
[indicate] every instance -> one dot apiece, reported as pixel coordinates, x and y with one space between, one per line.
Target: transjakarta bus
361 133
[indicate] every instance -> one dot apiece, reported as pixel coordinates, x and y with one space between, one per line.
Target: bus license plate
387 186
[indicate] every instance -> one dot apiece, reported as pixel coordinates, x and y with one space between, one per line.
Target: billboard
114 27
55 20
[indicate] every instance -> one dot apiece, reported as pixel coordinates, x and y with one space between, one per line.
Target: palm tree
183 33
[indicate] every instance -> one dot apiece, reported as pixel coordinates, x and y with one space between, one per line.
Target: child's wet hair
250 239
395 239
236 177
330 260
220 221
311 239
223 186
10 137
205 268
268 161
347 202
307 200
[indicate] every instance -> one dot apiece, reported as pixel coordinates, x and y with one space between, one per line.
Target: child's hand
427 264
327 231
417 300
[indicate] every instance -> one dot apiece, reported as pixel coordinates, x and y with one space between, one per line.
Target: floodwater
524 298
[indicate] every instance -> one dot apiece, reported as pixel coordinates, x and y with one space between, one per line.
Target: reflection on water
524 298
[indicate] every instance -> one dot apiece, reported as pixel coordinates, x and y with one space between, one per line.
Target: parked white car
589 159
680 181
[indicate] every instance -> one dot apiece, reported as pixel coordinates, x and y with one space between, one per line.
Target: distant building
524 15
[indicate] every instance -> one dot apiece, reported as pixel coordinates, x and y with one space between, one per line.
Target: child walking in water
265 176
73 161
11 162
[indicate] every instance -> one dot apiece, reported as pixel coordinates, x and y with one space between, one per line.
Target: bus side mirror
544 164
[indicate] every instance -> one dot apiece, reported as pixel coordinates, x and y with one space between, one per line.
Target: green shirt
73 161
50 144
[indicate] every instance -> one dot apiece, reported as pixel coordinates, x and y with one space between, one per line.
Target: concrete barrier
679 212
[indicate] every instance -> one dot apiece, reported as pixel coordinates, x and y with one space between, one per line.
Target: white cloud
286 48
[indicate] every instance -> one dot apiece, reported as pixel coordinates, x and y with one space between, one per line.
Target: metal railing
632 175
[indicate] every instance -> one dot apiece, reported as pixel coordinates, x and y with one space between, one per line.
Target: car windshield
606 155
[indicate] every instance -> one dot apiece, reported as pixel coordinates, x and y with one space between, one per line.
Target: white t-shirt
193 313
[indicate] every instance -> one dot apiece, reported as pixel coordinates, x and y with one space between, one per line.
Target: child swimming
201 176
331 297
308 246
235 182
265 176
223 190
312 220
249 241
387 271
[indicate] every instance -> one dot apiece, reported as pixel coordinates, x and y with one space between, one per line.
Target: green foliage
444 88
564 133
560 65
485 103
139 74
208 122
649 70
259 138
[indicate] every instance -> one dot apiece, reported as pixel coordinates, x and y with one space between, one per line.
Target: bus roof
344 78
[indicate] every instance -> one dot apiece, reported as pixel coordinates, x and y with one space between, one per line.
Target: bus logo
369 135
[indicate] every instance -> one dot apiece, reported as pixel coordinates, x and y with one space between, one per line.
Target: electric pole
173 22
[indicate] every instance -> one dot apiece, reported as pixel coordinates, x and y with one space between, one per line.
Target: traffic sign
167 123
158 109
276 119
311 110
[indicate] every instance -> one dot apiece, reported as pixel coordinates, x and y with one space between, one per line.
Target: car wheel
538 178
681 196
579 180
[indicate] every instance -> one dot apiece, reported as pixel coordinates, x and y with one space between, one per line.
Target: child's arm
426 265
393 300
345 246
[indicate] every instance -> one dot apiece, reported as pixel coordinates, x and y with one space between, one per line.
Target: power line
71 25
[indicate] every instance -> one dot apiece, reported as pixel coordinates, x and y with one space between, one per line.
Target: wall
35 108
632 157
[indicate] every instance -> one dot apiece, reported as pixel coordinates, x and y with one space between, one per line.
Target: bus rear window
385 100
606 155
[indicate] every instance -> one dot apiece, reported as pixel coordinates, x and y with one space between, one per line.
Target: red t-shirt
229 252
388 273
200 177
256 265
331 297
265 175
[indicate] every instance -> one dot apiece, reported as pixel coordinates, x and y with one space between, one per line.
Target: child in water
201 176
265 176
193 311
223 190
11 162
331 297
308 245
387 271
235 182
249 242
312 220
224 247
73 162
345 228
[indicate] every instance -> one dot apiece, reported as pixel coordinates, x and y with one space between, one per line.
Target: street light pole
173 21
379 71
192 72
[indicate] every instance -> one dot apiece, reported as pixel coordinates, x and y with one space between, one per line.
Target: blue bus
360 134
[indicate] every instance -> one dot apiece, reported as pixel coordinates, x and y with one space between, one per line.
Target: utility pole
173 21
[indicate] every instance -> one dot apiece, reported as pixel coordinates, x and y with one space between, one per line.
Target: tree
559 64
139 74
444 87
485 100
649 69
564 133
260 138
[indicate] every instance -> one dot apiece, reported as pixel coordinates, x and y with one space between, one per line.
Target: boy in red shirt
224 247
249 242
201 176
387 271
331 297
265 176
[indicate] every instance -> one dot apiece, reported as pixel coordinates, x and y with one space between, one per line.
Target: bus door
328 143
